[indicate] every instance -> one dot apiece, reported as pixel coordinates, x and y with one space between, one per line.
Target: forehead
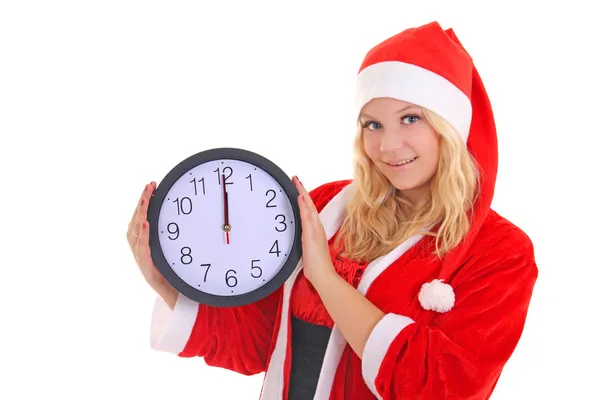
384 105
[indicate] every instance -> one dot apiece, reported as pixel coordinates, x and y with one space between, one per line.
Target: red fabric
237 338
459 354
436 53
307 305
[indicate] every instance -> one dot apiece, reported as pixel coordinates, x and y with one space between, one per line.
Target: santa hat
429 67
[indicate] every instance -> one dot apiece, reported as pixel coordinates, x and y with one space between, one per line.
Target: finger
302 190
136 208
312 214
304 215
142 251
299 186
142 209
132 229
131 236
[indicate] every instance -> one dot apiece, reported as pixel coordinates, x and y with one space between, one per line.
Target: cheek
371 147
428 145
430 149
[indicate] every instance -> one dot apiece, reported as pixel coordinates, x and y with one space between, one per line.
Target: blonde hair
379 218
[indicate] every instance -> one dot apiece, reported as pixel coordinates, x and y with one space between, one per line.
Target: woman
410 286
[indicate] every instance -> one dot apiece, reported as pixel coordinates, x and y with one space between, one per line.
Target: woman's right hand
139 242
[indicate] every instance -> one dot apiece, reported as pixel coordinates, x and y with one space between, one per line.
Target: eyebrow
397 112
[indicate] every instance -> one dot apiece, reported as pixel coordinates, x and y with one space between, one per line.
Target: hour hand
226 226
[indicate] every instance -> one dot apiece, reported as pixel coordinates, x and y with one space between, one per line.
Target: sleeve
459 354
235 338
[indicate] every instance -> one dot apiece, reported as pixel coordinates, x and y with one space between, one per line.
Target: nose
391 140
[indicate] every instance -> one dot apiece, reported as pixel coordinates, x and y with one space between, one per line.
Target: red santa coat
412 353
424 347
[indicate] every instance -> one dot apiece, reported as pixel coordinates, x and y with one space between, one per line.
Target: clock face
227 227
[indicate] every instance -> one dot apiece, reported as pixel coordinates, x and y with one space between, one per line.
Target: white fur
416 85
437 296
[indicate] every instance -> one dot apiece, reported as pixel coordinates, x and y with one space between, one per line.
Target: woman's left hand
316 258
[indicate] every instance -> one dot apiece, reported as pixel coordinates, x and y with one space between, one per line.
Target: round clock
225 227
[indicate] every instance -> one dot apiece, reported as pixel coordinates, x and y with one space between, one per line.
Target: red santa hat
429 67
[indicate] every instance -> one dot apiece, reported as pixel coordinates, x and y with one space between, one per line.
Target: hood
430 67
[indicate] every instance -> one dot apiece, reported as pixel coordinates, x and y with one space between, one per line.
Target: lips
400 163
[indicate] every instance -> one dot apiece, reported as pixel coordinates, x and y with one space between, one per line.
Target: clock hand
226 227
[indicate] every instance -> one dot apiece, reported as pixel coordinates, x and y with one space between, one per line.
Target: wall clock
225 227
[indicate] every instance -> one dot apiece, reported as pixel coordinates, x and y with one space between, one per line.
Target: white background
99 98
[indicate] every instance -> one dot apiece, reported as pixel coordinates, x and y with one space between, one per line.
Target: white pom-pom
437 296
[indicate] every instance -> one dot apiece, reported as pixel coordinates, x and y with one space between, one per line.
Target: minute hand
226 227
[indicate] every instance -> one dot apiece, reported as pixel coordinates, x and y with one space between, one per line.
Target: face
396 132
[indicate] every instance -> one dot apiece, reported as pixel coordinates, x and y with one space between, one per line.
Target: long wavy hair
379 217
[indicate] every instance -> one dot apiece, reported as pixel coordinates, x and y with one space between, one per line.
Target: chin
403 186
408 183
404 182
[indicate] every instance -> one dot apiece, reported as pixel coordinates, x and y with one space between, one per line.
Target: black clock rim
175 174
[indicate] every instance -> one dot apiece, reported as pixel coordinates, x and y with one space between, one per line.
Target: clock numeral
282 222
229 279
206 273
256 267
276 246
187 255
175 232
268 202
196 188
250 177
181 205
218 171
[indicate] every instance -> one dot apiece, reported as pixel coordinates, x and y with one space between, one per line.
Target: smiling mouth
405 162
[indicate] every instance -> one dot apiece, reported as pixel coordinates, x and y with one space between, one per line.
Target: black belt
309 342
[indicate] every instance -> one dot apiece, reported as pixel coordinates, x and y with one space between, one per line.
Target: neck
418 196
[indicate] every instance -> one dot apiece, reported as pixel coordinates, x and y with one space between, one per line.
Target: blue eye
412 118
369 125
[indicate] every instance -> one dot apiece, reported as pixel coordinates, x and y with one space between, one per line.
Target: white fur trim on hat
416 85
437 296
